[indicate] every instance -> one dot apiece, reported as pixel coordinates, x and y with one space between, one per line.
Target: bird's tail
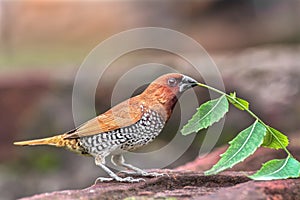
57 141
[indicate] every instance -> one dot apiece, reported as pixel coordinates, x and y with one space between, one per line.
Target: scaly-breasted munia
125 127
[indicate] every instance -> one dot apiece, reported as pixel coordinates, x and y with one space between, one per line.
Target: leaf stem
247 110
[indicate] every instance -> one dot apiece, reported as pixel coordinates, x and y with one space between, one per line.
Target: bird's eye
172 82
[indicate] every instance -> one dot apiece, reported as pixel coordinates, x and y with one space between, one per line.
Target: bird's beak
186 83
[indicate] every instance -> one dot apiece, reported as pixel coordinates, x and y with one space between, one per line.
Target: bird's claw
130 179
153 174
144 173
103 179
119 179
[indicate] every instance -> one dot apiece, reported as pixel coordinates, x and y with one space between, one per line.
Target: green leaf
271 139
238 102
241 147
207 114
278 169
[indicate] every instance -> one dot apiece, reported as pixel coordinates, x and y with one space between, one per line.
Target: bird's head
166 89
174 82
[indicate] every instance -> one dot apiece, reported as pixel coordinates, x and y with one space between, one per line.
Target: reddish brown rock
187 185
179 184
269 190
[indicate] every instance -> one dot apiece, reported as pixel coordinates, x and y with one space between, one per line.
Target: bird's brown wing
122 115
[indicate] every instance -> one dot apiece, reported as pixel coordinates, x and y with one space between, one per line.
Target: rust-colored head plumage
165 91
168 85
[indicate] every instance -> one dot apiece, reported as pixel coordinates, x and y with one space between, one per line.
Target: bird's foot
130 179
119 179
103 179
144 173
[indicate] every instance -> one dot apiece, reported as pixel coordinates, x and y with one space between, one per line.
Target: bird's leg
100 161
118 160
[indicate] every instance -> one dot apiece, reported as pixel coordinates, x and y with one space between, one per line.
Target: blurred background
254 43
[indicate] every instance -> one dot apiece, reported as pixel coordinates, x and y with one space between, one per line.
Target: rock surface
186 185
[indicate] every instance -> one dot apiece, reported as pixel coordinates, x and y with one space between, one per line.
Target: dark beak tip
190 80
187 82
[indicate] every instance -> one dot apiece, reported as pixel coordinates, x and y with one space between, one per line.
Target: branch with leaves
247 141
